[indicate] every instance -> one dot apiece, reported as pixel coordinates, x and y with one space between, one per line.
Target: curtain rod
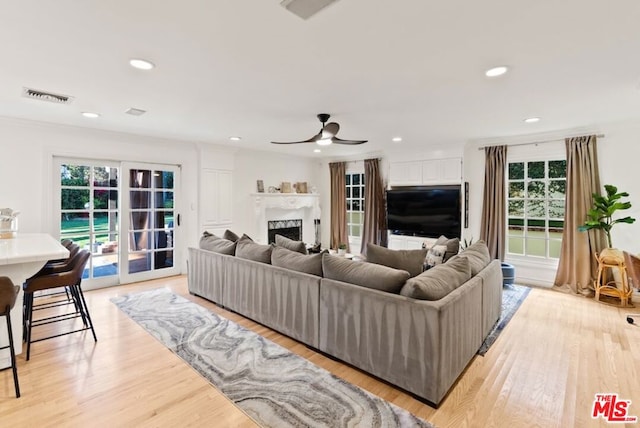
537 142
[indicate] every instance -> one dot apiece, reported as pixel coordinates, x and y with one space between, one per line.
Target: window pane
362 179
555 228
348 179
557 189
536 247
348 192
536 228
515 245
535 189
516 208
140 199
356 218
74 175
105 265
516 171
74 223
105 176
139 178
164 199
348 205
356 192
535 169
355 231
75 199
356 179
163 179
105 222
164 219
516 189
140 220
556 209
535 208
140 241
554 248
558 169
356 205
516 226
105 199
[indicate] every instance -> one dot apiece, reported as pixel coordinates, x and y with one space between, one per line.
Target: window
355 204
89 214
536 195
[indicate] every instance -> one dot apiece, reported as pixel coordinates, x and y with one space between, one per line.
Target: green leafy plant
466 244
342 246
604 207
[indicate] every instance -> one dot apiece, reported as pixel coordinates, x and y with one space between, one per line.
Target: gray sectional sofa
421 346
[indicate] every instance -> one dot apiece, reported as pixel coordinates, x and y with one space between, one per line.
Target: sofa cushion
247 249
311 264
439 281
216 244
290 244
409 260
230 235
365 274
478 255
453 246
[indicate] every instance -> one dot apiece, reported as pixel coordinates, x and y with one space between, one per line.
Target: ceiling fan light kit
326 136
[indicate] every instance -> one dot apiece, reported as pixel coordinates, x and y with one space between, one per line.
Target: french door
124 214
149 221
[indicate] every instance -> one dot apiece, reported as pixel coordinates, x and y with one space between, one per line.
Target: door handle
178 219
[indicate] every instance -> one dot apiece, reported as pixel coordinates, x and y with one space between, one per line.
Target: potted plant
604 207
342 249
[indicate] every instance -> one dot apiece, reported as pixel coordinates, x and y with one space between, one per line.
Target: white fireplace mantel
308 203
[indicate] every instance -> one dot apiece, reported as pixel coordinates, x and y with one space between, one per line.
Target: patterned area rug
274 386
512 298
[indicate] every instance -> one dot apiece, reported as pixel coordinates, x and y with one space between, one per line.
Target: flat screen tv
428 211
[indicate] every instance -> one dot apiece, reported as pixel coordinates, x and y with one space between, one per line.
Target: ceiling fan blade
330 130
313 139
337 140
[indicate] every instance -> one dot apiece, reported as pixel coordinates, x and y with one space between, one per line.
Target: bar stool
71 279
8 296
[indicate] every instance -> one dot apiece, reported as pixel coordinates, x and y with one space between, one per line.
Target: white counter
21 257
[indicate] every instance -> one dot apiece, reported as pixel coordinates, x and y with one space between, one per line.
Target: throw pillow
409 260
364 274
436 283
230 235
453 246
435 256
216 244
478 255
311 264
247 249
290 244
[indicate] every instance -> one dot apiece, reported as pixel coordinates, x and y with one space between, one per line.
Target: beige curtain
374 229
338 205
577 266
494 209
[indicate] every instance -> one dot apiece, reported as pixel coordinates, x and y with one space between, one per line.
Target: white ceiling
382 68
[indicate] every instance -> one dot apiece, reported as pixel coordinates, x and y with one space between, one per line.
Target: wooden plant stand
609 260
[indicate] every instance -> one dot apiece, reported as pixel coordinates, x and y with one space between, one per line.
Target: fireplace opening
291 229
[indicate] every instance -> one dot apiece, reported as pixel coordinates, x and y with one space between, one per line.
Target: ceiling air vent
135 111
305 9
46 96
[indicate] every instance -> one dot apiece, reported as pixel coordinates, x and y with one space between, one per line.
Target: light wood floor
543 371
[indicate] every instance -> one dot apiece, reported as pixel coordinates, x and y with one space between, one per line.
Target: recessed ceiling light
90 114
396 139
532 120
496 71
141 64
235 138
317 151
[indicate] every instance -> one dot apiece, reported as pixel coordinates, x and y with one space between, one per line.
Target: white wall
272 169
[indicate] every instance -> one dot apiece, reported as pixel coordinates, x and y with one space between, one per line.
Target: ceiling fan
326 136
